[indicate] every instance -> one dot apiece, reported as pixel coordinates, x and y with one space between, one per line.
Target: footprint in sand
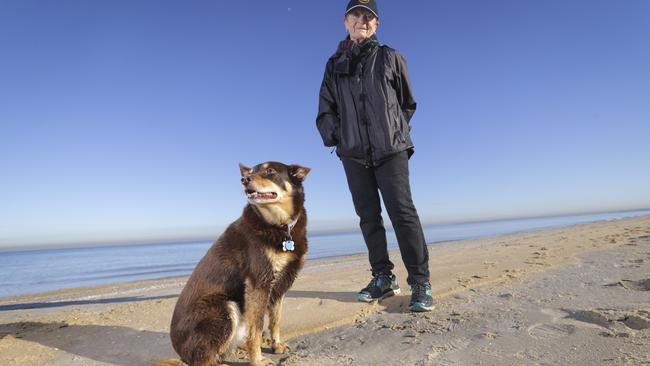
551 331
446 362
640 285
593 316
456 345
637 321
609 318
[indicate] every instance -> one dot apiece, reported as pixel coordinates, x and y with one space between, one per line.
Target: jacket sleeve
328 121
403 87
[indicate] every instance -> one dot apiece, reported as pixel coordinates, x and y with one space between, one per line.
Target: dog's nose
245 180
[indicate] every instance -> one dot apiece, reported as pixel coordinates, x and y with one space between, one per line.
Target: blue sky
125 120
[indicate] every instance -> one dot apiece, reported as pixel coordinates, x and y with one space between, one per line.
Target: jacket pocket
337 134
397 121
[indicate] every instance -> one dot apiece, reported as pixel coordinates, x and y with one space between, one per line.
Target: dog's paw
263 362
280 348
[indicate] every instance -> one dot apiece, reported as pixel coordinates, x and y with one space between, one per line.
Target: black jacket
366 103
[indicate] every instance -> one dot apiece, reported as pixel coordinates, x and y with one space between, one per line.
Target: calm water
51 269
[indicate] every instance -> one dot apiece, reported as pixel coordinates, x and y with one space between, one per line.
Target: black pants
391 178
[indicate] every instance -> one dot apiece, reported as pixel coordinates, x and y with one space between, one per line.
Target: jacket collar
349 53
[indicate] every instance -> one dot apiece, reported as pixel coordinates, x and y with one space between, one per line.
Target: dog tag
288 245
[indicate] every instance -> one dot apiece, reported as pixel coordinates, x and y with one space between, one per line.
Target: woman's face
360 24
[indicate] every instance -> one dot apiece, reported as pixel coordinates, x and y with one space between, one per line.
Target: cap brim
362 6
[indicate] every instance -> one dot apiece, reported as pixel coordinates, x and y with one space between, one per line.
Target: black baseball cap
367 4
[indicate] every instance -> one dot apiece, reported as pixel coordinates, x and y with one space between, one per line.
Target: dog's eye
270 171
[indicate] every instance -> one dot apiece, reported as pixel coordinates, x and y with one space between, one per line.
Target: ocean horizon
25 272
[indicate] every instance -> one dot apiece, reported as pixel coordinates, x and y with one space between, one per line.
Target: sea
35 271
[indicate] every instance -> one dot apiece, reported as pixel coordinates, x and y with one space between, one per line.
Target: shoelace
374 282
419 290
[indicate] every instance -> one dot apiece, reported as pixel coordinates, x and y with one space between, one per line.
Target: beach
578 295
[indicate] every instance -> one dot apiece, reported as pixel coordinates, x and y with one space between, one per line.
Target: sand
572 296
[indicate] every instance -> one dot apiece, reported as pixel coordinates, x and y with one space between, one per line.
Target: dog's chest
279 261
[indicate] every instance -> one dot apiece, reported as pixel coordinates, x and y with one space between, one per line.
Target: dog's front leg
256 300
275 314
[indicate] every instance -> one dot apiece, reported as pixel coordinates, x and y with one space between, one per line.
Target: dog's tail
169 362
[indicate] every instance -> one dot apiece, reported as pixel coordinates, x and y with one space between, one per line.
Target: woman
364 110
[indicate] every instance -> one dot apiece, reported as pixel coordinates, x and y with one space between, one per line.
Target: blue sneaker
380 287
421 299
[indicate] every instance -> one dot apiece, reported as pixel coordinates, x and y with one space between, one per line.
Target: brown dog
246 272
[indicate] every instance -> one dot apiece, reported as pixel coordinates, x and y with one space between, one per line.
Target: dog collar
288 245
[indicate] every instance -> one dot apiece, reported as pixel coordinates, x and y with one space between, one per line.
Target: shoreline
392 247
60 327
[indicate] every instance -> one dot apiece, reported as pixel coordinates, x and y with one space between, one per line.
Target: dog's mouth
256 196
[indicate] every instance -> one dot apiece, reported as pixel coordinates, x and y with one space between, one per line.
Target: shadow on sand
124 346
395 304
54 304
115 345
338 296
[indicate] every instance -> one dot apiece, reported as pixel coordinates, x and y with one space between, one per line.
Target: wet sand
572 296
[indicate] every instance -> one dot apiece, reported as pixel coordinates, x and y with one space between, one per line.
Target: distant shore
128 324
212 233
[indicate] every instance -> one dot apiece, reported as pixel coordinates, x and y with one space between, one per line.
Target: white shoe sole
386 295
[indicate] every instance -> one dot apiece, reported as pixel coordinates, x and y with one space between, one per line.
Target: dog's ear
298 171
244 170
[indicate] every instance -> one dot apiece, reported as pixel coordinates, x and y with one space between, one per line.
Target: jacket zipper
364 119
